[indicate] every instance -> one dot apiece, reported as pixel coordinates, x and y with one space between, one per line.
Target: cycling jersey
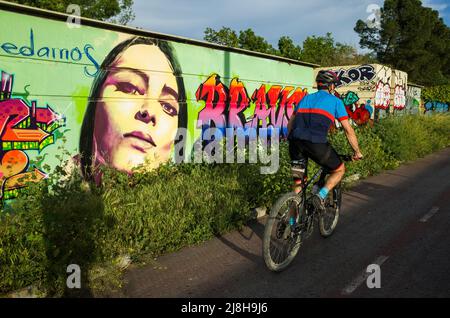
314 116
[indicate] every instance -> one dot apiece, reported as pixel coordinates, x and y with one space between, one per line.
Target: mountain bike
282 240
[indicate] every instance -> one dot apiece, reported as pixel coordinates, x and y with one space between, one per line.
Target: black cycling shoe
318 203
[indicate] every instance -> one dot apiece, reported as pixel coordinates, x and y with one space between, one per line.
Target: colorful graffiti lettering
360 73
382 95
413 98
436 106
368 86
350 98
359 113
23 127
31 49
399 84
399 97
224 107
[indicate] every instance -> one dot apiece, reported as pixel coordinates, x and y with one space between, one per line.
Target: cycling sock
292 220
323 193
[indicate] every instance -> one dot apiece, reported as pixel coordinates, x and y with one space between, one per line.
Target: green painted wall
48 74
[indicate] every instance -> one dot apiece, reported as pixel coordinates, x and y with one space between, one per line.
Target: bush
64 220
410 137
437 93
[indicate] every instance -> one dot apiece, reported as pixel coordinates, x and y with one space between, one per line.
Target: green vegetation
64 220
320 50
411 38
115 11
437 93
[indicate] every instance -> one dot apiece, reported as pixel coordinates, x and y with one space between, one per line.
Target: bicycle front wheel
280 244
329 218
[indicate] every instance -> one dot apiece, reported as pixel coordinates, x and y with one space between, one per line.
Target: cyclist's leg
335 177
298 164
324 155
335 167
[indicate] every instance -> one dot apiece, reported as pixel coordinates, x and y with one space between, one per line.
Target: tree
320 50
247 40
288 49
115 11
324 51
347 55
436 93
411 38
224 36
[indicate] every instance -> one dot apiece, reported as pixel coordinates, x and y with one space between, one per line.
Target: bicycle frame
321 174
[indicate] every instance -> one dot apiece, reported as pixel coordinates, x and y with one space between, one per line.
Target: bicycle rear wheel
280 244
329 218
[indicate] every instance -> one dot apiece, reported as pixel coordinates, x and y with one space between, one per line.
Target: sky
269 19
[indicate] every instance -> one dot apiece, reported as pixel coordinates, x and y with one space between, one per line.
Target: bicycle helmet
326 78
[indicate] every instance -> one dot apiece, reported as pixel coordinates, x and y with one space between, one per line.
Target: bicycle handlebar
346 157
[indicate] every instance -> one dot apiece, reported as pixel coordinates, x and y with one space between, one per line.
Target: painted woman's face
136 117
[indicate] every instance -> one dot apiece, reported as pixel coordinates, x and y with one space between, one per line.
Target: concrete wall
398 90
414 103
370 91
122 95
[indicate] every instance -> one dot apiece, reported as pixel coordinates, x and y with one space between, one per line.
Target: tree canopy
320 50
247 40
411 38
115 11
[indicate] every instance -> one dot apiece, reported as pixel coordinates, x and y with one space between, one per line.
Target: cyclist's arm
351 136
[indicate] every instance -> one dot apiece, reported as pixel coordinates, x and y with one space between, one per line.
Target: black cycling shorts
323 154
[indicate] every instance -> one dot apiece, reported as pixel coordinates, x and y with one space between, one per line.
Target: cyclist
307 134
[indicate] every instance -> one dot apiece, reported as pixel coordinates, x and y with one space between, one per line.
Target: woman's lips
141 136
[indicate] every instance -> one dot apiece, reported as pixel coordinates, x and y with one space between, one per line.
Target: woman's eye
128 88
169 109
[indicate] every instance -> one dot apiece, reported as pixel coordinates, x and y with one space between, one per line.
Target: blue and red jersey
314 116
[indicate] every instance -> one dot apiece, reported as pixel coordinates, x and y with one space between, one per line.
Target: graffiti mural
224 107
135 107
367 86
413 99
436 106
399 84
23 128
126 96
359 113
355 74
371 89
382 97
365 91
